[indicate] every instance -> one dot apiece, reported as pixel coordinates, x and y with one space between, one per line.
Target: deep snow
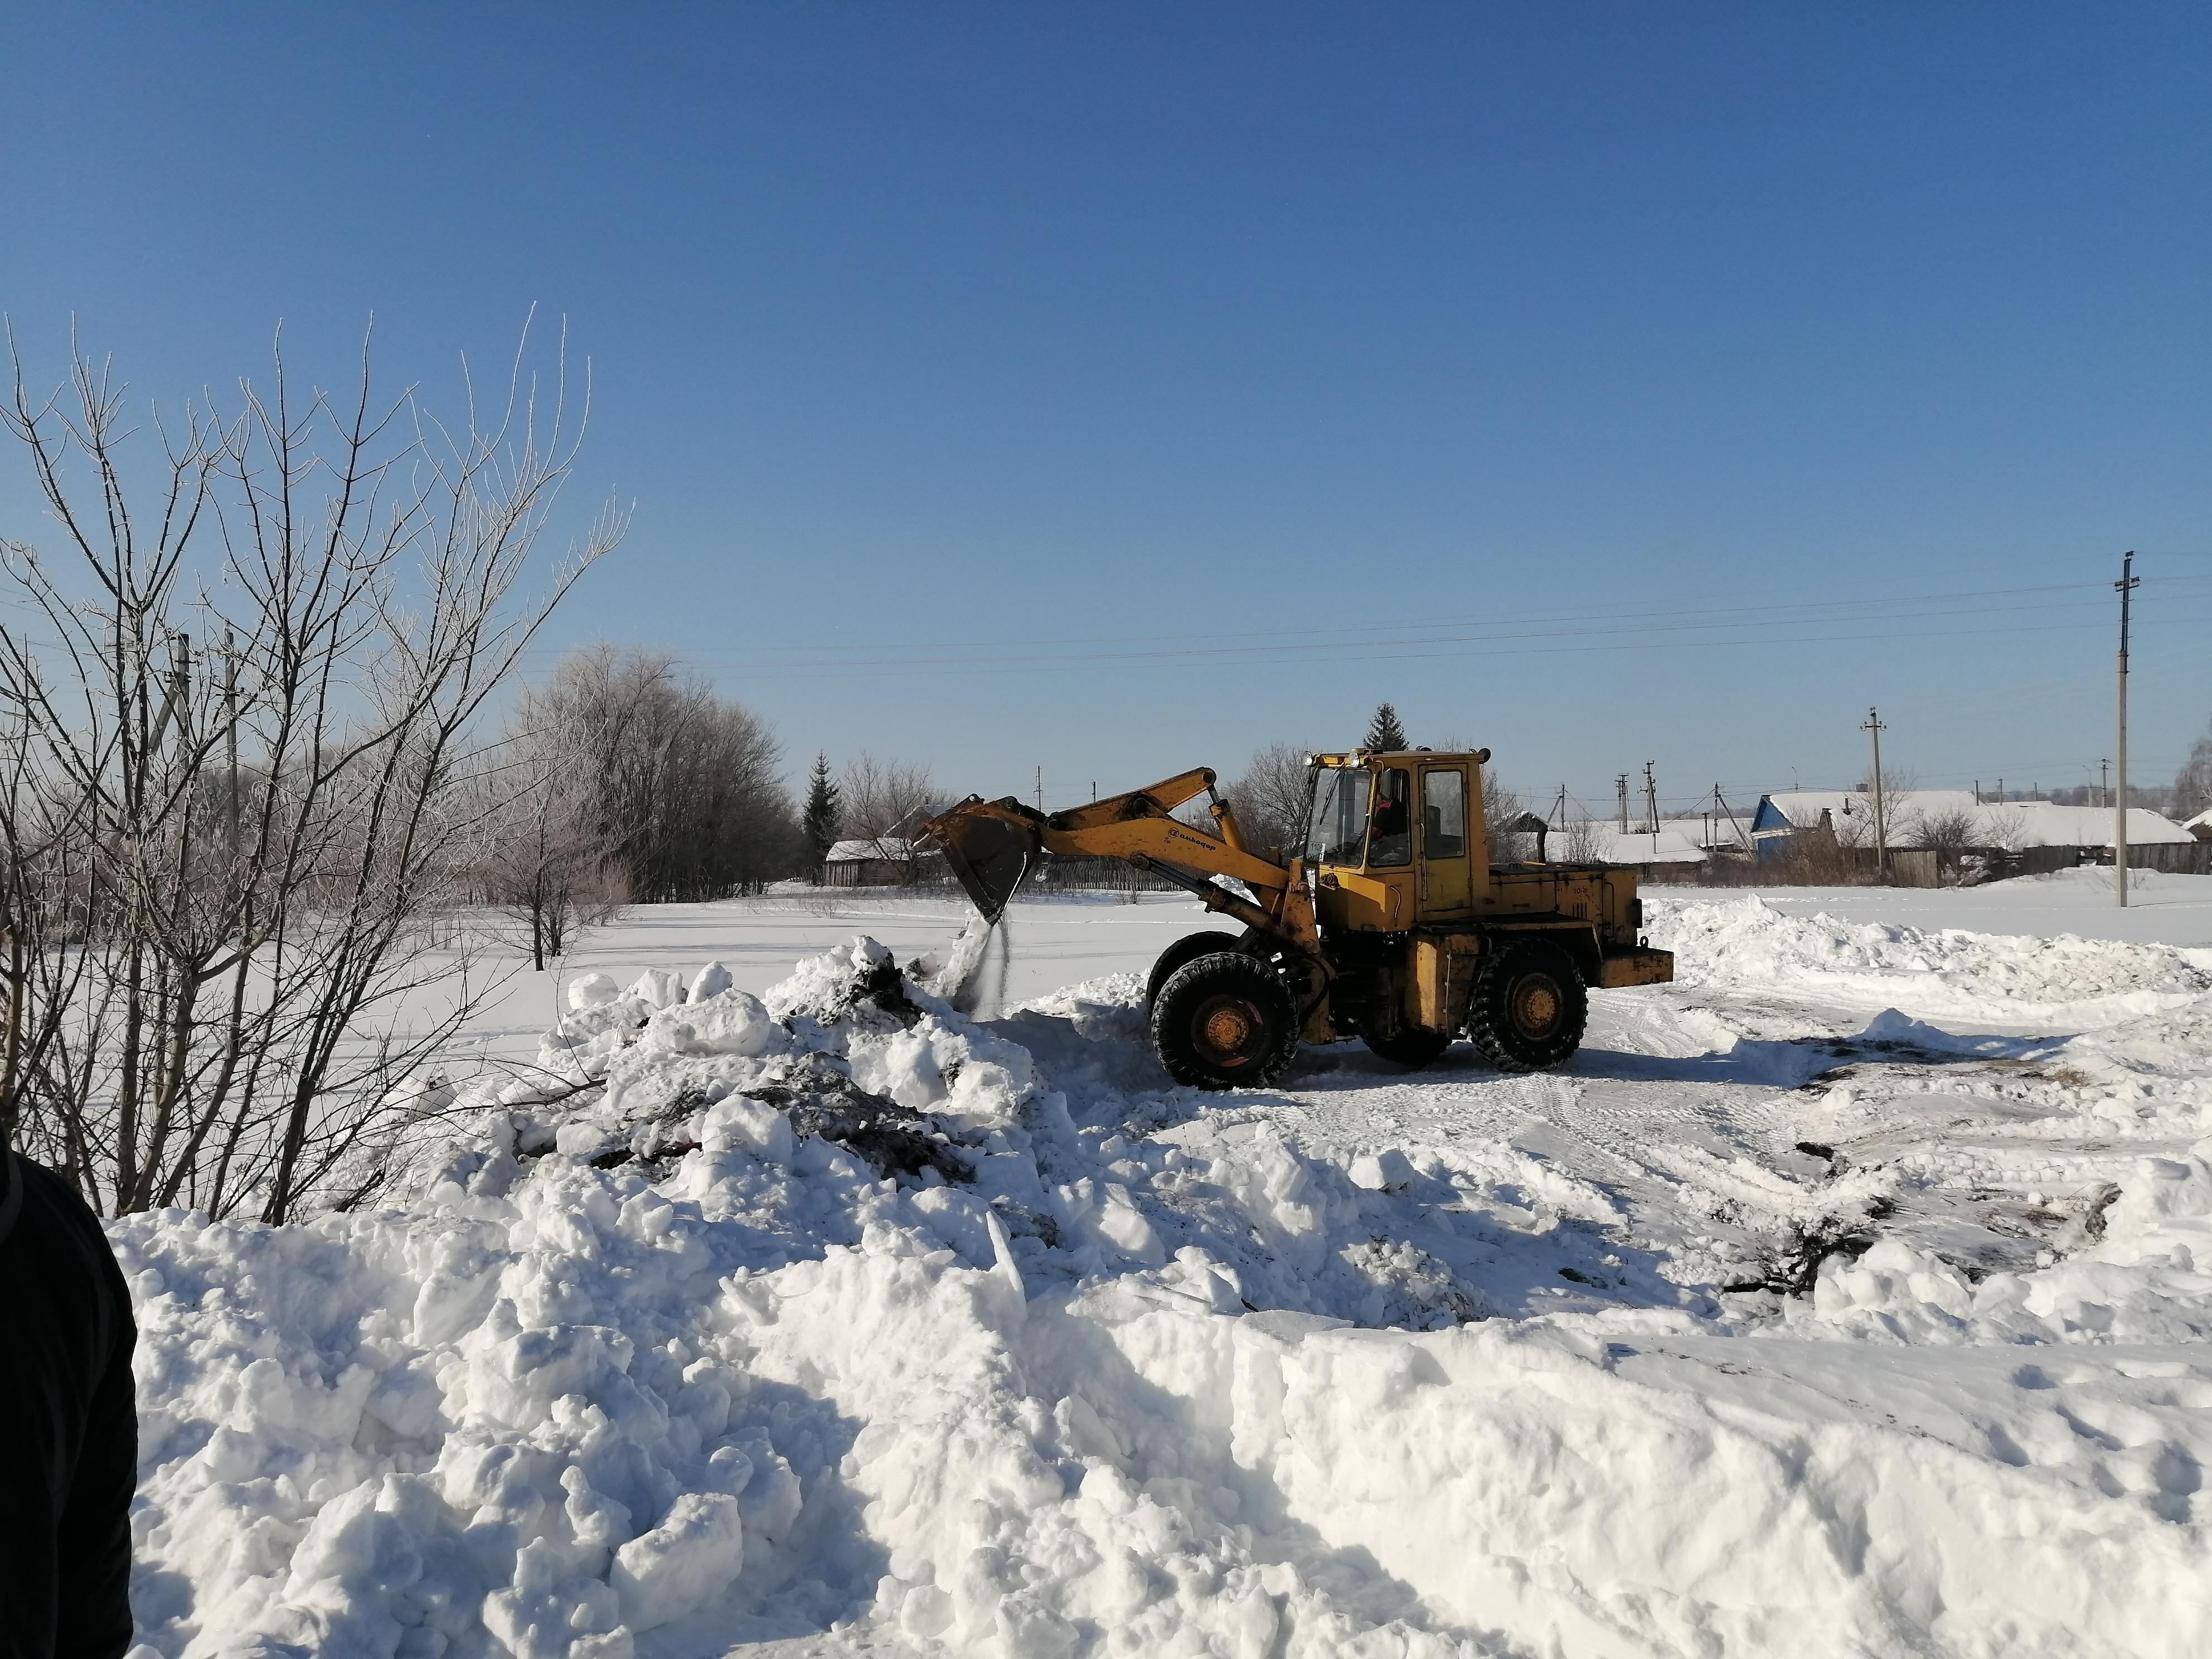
1843 1297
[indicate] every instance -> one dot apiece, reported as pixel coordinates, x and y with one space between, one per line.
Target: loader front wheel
1224 1021
1528 1008
1188 948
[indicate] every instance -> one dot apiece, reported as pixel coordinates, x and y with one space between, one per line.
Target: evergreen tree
820 822
1384 734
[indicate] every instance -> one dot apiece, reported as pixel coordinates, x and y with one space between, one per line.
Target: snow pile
834 1311
1748 943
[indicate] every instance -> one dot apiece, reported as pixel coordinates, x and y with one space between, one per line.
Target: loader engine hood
989 846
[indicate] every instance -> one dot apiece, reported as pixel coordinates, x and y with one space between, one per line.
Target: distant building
1954 820
2201 825
889 862
1673 851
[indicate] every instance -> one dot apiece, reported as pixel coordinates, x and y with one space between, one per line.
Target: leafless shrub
2004 828
235 736
1947 833
1579 840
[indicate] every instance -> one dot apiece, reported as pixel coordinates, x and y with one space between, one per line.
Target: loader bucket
988 856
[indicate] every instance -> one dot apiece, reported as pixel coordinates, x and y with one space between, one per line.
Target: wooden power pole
2128 583
1880 813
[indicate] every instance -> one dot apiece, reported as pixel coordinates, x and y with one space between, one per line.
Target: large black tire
1225 1021
1529 1008
1412 1047
1188 948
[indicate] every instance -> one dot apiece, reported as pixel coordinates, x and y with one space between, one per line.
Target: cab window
1392 842
1340 815
1443 814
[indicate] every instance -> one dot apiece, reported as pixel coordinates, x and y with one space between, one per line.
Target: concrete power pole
1620 788
2128 583
1651 805
2104 783
1881 811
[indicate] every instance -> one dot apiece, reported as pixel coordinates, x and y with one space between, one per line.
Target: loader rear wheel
1188 948
1224 1021
1411 1046
1528 1008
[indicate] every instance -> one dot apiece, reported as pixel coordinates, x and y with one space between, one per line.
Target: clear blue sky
1117 387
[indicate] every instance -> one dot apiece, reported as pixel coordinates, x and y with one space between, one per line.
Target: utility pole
1557 815
1040 789
1721 810
1881 816
1977 791
2001 793
1651 805
2104 783
2128 583
1620 788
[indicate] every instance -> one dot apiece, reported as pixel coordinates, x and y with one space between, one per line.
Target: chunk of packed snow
673 1569
592 991
730 1023
713 979
659 987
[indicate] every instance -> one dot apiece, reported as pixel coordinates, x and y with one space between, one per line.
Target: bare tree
1501 806
550 865
680 788
237 732
1852 824
1270 800
2192 784
884 803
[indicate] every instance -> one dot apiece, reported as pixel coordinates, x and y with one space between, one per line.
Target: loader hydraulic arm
990 845
1141 825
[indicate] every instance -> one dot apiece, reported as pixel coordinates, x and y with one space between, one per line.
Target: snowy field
1843 1297
2161 908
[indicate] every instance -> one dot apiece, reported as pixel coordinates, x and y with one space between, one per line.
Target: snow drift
836 1312
1750 944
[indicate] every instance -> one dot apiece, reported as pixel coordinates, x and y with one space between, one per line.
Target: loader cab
1396 840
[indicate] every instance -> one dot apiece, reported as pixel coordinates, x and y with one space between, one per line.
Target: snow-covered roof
2050 825
1802 807
847 852
2201 824
2010 824
1675 843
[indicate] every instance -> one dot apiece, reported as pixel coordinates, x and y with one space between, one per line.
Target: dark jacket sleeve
93 1607
69 1450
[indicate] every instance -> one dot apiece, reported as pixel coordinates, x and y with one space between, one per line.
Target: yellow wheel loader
1391 924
